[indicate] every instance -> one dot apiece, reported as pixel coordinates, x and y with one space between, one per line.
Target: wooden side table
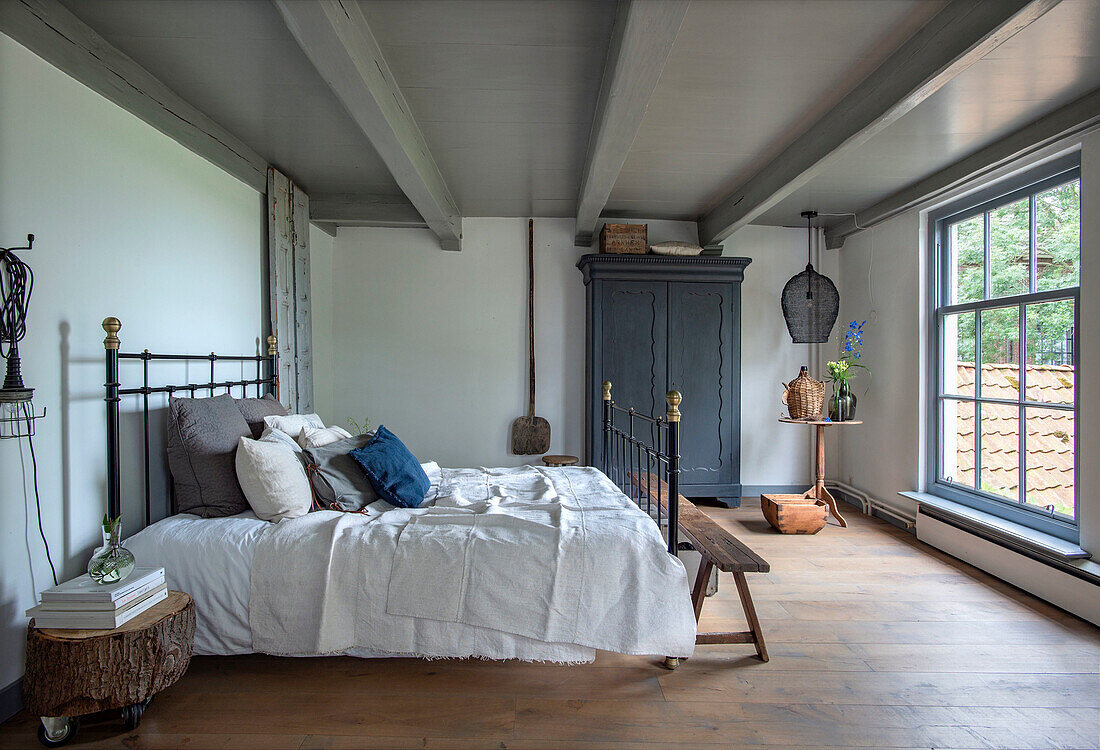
560 460
818 491
75 672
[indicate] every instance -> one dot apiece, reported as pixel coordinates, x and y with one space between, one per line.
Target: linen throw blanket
556 555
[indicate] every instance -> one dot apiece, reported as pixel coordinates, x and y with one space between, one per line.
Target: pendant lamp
810 300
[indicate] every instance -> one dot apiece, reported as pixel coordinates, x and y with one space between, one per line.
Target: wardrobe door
632 346
701 365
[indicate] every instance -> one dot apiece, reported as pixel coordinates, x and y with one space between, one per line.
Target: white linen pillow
293 424
271 435
676 248
312 437
273 479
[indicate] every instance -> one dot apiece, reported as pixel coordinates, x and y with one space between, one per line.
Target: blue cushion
393 471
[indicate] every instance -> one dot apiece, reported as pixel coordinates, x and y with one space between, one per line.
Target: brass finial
607 390
112 326
272 345
673 398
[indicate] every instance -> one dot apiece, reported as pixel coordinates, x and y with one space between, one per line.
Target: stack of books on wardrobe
86 605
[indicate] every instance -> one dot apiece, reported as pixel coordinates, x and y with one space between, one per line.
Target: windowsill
1001 530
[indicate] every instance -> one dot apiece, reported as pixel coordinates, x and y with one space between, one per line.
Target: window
1006 265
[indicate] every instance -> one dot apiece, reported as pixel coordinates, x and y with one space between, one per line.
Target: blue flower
847 347
857 355
852 324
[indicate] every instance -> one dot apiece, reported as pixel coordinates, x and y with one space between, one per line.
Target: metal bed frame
268 383
625 450
625 453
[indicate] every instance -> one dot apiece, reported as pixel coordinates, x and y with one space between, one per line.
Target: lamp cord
38 500
15 292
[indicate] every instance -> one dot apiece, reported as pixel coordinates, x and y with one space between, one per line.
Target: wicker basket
804 396
624 238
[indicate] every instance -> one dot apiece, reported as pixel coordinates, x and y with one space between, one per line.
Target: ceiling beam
1045 136
641 40
954 39
51 31
352 209
336 38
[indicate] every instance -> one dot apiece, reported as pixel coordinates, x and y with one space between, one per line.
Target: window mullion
1022 413
1033 242
988 270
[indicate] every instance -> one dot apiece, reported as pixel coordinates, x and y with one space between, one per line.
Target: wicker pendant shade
810 300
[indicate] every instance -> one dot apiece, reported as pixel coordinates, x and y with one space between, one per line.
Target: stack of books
86 605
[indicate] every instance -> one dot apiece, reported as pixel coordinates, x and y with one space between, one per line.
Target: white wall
127 223
434 344
320 278
771 453
883 455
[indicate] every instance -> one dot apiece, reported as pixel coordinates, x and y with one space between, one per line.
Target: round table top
560 460
822 422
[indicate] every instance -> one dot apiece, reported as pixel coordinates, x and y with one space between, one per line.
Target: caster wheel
131 715
55 731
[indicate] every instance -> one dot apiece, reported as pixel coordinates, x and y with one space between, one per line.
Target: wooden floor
876 641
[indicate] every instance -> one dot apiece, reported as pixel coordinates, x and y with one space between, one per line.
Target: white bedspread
551 554
557 563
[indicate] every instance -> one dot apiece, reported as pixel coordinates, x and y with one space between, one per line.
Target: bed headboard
264 383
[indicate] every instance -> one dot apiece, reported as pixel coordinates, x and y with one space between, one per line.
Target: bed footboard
638 444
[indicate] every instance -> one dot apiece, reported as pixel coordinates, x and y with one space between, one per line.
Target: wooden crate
624 238
794 514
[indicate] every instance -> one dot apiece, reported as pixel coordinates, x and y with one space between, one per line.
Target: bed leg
670 662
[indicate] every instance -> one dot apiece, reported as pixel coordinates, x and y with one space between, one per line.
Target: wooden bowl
794 514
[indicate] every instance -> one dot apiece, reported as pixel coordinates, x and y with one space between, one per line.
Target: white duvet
528 563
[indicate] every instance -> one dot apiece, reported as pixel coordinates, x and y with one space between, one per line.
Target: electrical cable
13 300
870 262
38 501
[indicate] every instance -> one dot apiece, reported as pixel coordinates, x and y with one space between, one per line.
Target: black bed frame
626 449
629 461
268 383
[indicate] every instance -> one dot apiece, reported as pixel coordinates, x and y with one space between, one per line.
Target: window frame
1025 185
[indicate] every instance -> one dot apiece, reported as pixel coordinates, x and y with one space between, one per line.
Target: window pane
1001 353
967 262
1050 375
1000 449
1009 257
958 354
1058 236
1050 459
957 441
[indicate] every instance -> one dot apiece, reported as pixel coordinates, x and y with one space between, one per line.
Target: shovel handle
531 310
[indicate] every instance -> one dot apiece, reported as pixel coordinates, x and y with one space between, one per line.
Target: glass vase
842 404
112 562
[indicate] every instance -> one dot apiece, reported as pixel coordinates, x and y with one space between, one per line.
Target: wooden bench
718 548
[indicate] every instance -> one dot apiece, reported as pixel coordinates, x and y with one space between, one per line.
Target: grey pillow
255 409
338 481
202 444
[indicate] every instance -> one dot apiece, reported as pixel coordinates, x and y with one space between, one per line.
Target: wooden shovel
531 434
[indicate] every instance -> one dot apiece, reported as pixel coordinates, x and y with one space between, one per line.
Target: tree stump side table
74 672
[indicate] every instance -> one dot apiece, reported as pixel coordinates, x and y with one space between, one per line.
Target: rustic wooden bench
718 548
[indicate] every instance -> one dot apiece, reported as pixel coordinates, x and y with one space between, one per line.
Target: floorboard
876 641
